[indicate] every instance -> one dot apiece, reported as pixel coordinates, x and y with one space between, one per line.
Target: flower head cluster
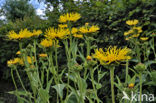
18 52
132 22
15 61
144 38
86 29
112 55
78 35
134 32
20 61
69 17
62 25
49 43
23 34
53 33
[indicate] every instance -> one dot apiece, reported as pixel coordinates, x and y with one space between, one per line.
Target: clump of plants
76 82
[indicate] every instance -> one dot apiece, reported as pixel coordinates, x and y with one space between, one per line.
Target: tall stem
13 79
92 78
140 87
20 80
127 71
112 83
88 47
35 54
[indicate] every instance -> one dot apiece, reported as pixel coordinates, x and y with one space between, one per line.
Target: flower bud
140 67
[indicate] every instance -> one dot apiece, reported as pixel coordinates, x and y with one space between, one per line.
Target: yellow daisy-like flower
129 32
69 17
78 35
91 29
144 38
13 35
43 55
23 34
14 61
74 30
46 43
18 52
131 85
49 43
86 24
29 59
36 32
89 58
132 22
111 55
62 25
53 33
139 29
135 35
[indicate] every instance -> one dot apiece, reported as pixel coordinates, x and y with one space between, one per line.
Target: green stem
88 48
80 88
20 80
56 61
154 47
13 79
140 87
35 54
92 78
85 73
112 83
127 71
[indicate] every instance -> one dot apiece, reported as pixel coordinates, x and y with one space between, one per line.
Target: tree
17 9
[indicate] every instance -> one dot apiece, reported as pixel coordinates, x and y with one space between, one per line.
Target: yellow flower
128 38
89 58
36 32
46 43
14 61
135 35
91 29
49 43
144 38
13 35
111 55
126 33
139 29
78 35
86 24
132 22
43 55
69 17
131 85
129 32
21 35
63 25
53 33
30 60
18 52
74 30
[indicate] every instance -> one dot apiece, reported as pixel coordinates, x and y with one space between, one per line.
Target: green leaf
48 85
19 94
133 79
59 88
72 99
44 95
101 75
